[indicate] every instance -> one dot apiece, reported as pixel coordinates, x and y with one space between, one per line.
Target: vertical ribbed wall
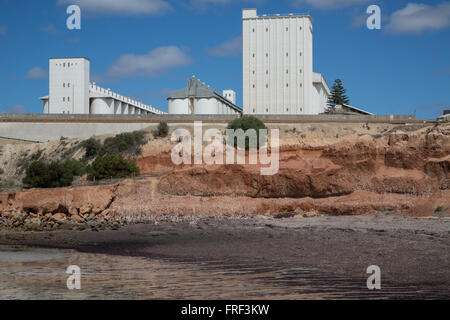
277 64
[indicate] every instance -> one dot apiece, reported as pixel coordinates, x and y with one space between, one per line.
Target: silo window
267 86
267 110
64 99
287 29
253 86
253 55
267 29
287 71
68 85
300 54
287 84
253 30
68 98
64 85
287 54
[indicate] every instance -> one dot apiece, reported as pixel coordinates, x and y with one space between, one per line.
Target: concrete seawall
44 127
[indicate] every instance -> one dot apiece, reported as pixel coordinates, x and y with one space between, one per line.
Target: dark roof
198 89
446 112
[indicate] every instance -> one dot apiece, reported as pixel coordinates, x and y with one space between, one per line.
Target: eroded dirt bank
406 172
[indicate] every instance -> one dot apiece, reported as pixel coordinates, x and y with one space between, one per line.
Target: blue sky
145 48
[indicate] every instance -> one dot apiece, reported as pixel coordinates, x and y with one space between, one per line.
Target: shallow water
30 273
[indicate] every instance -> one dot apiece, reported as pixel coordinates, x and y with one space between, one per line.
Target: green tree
124 143
54 175
92 147
246 123
338 96
112 166
162 130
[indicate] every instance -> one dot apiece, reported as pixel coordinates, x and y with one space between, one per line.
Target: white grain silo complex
199 98
70 92
278 73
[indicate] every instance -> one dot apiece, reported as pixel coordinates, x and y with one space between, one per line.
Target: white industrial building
278 75
70 92
199 98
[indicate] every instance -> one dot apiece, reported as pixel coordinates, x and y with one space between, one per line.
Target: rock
85 210
58 217
109 213
77 218
18 217
33 224
67 225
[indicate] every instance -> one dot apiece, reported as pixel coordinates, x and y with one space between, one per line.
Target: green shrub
54 175
162 130
124 143
92 147
246 123
112 166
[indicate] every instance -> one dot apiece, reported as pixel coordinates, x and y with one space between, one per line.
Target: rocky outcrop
403 172
55 207
416 164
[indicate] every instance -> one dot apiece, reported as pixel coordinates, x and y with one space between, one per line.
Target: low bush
125 143
112 166
162 130
246 123
54 175
92 146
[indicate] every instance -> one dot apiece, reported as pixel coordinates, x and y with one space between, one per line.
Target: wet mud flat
234 258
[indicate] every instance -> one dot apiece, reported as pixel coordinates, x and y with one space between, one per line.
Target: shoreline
412 252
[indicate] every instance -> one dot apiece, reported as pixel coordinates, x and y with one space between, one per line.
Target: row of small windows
287 71
64 85
287 110
267 29
267 55
68 64
287 85
64 99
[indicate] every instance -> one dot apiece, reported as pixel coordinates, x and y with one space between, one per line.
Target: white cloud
17 108
3 31
151 64
121 7
329 4
205 4
228 48
418 18
36 73
50 29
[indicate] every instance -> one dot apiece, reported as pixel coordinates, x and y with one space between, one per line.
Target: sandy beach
234 258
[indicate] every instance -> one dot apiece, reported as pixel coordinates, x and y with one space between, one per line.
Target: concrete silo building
278 75
71 92
199 98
